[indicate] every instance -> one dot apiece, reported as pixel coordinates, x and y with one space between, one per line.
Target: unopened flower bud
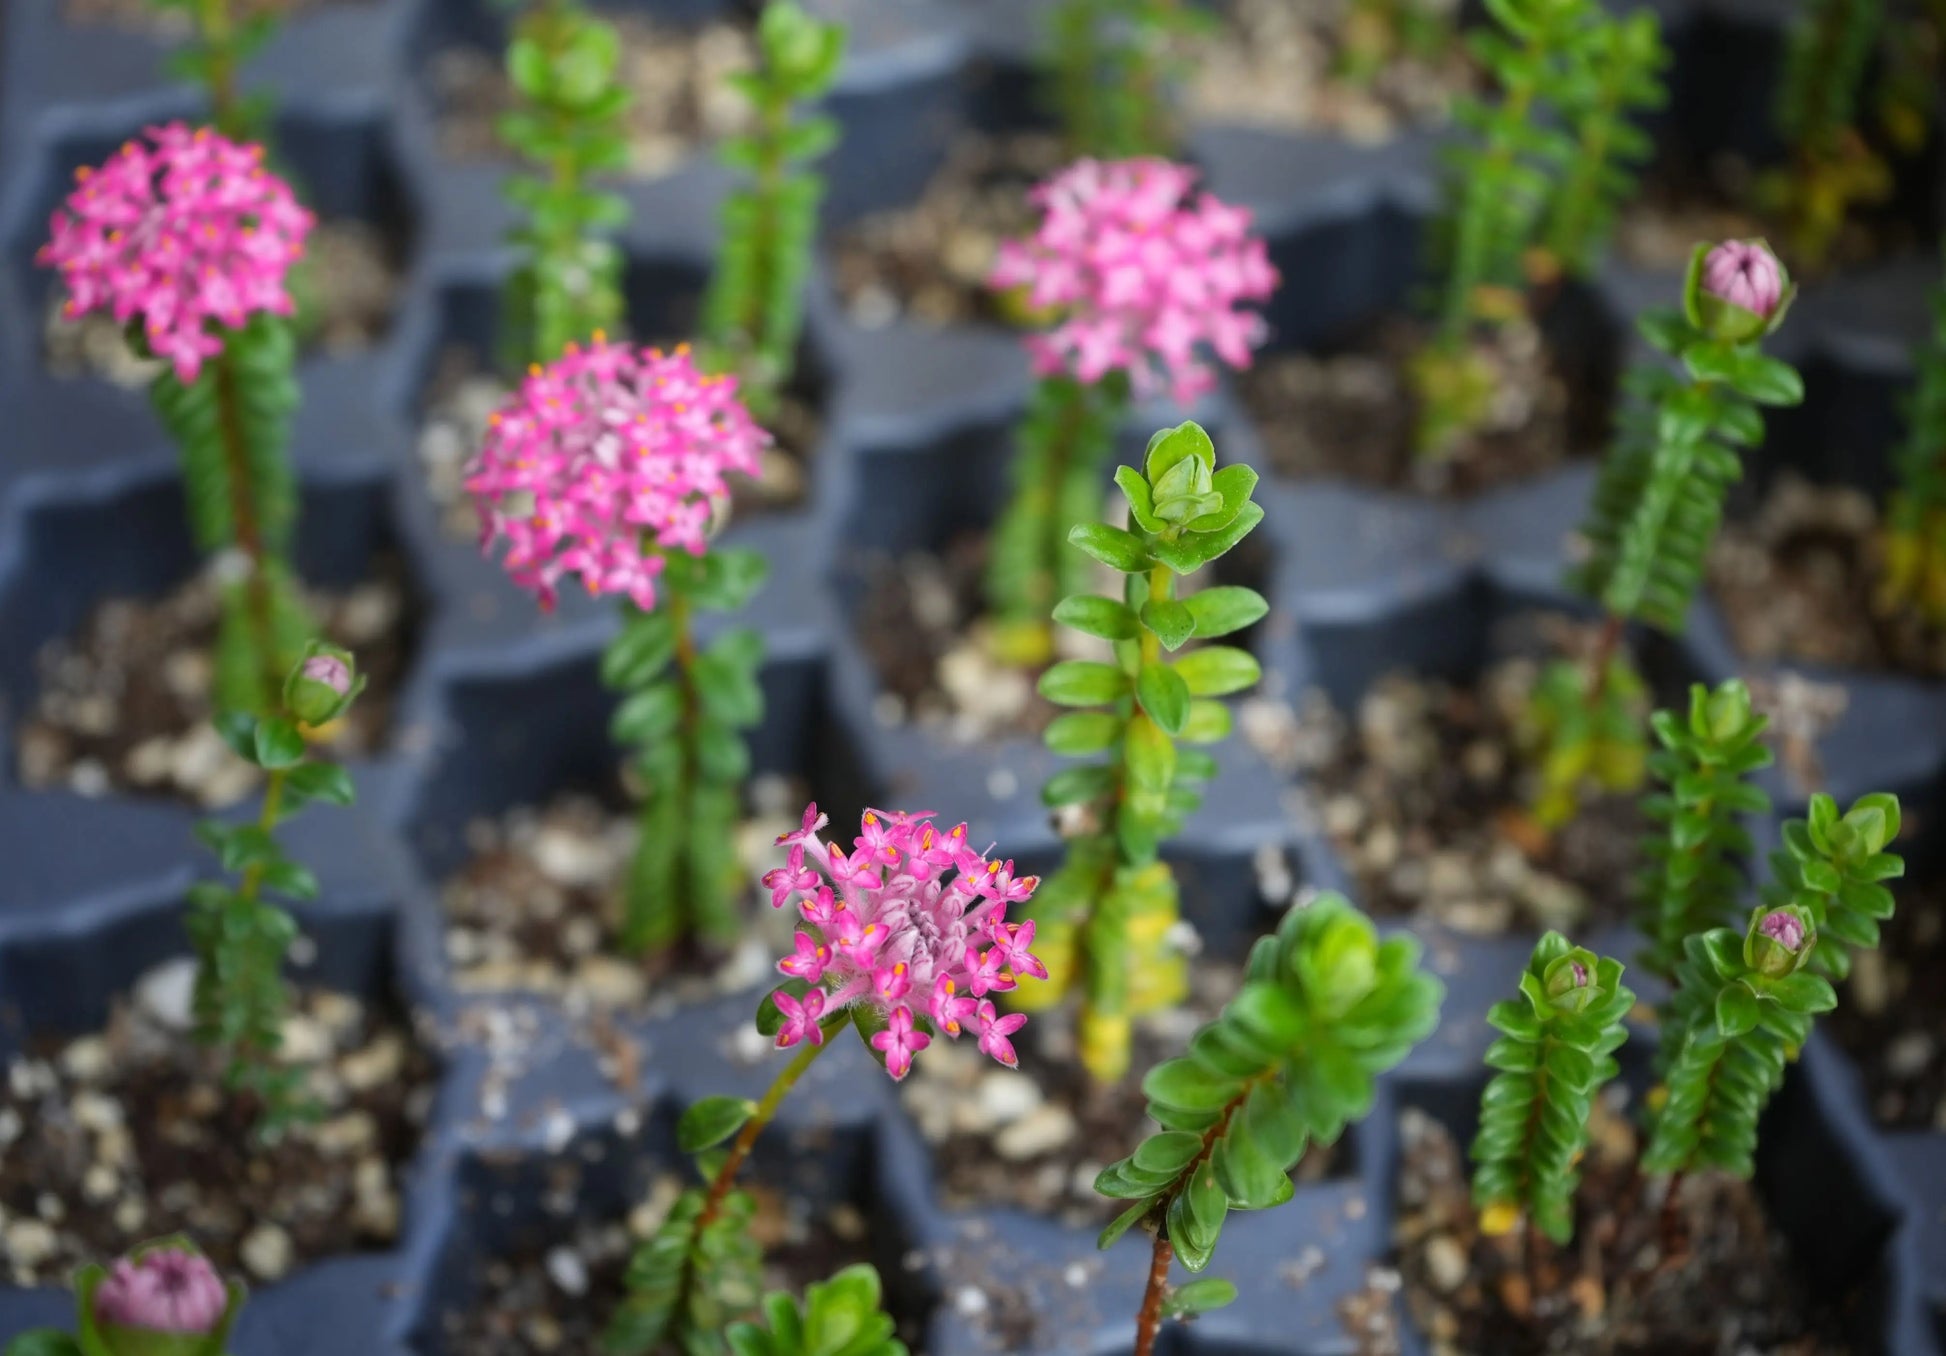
158 1294
1727 713
322 685
1779 941
1570 981
1738 290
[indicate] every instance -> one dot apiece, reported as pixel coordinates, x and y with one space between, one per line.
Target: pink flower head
179 230
924 928
800 1017
167 1290
1142 276
605 459
994 1031
1744 273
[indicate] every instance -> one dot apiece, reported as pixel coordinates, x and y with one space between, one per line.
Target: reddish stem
1149 1321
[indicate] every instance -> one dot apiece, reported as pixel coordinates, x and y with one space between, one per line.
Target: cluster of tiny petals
605 459
179 229
886 926
1142 276
167 1290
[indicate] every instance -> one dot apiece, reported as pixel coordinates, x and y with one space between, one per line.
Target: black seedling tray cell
501 705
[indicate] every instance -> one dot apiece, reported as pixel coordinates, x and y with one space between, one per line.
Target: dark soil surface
1730 1288
347 290
1892 1013
676 78
1038 1136
128 1134
920 624
557 1296
1423 792
539 905
1350 415
124 705
1796 582
929 261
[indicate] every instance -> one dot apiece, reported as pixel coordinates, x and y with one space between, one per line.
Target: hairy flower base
187 229
888 929
606 458
1142 276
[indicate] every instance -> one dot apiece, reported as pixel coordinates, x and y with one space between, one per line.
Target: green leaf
1171 621
1208 722
1121 1225
645 644
239 731
1218 671
1078 785
1075 734
326 782
647 716
1083 682
1170 446
1736 1010
278 745
1222 610
44 1342
709 1122
1234 485
1164 694
1199 1297
1113 547
1096 616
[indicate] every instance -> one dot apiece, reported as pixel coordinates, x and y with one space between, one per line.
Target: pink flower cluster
165 1290
887 928
180 231
605 459
1141 276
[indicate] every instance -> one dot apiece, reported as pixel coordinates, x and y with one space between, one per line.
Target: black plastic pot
501 706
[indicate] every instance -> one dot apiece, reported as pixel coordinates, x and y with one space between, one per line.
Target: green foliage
1543 168
1695 872
1914 546
1817 115
1112 69
1555 1051
566 288
1105 915
755 307
1375 33
1584 730
1742 1010
684 709
1068 434
1325 1008
1659 498
686 1286
225 35
232 427
1831 866
839 1317
1618 75
240 937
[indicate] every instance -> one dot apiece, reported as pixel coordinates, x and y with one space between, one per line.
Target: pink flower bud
1745 274
165 1290
330 670
1786 929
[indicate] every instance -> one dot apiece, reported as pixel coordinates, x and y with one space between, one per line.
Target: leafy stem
766 1110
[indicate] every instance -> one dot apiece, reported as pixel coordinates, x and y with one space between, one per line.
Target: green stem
219 50
247 529
251 885
719 1187
688 732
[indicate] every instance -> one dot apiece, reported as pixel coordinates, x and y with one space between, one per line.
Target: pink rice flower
606 459
176 232
994 1031
165 1290
1143 277
926 927
801 1018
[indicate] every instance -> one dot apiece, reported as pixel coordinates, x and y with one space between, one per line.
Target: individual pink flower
994 1031
175 232
899 1042
1143 276
800 1017
1744 273
605 460
168 1290
925 928
790 878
